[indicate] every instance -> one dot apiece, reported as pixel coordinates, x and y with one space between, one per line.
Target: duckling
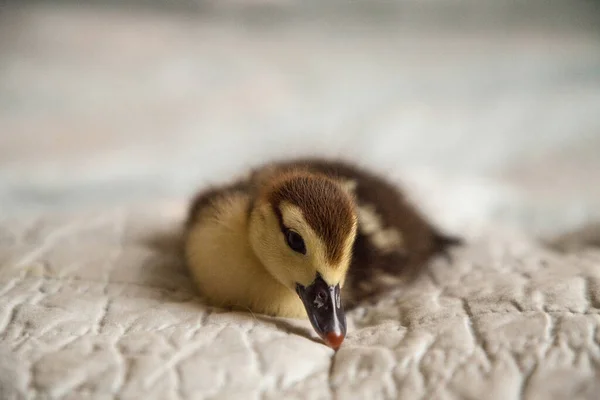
306 239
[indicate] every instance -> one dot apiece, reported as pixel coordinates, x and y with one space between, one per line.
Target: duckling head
302 228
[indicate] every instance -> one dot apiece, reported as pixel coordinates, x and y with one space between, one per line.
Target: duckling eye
295 241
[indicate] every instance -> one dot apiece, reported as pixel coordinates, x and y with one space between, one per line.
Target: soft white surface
99 305
107 115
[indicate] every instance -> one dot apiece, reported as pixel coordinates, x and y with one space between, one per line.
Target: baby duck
289 238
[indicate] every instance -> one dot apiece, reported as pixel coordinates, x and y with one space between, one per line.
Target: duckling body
295 239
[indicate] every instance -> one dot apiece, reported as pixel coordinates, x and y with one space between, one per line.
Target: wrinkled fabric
492 122
100 305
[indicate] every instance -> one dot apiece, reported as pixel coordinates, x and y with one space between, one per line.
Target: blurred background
488 110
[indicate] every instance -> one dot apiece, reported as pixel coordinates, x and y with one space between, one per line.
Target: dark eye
295 241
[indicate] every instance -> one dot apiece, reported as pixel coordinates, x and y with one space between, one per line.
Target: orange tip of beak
334 340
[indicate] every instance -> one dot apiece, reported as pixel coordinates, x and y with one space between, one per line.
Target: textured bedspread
108 114
99 305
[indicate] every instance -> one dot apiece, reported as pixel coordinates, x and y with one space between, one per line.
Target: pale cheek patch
389 280
348 185
292 216
386 240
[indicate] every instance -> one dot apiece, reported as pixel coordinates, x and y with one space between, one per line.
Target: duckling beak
324 308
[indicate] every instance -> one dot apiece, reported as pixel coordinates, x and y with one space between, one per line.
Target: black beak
324 308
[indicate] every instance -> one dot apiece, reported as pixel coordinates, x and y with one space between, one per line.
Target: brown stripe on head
327 207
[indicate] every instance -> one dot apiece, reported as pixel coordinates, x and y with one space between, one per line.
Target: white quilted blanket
104 109
99 306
